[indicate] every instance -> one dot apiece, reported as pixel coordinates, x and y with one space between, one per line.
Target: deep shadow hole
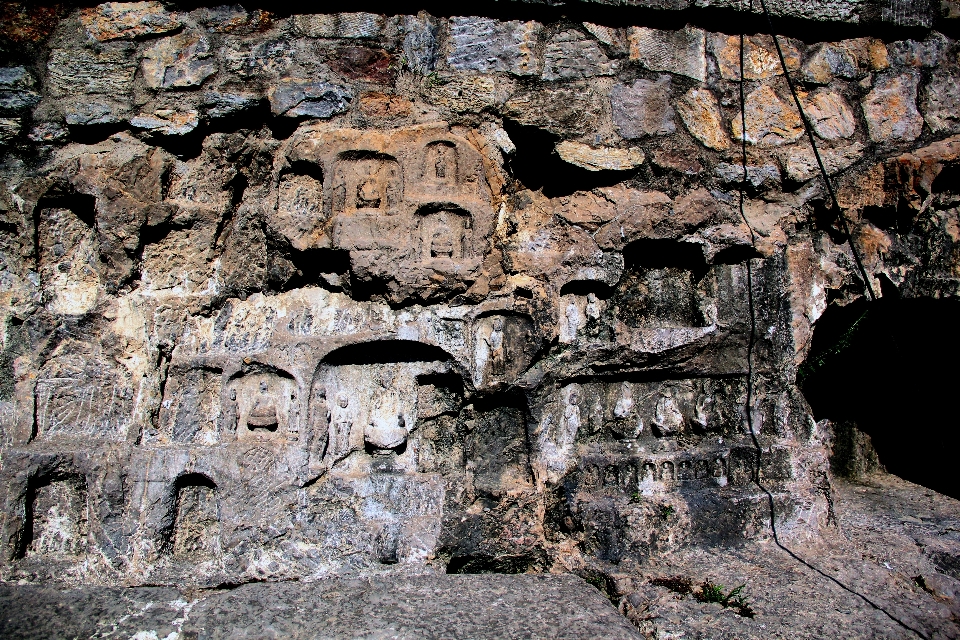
585 287
890 367
194 480
662 254
386 351
736 255
536 165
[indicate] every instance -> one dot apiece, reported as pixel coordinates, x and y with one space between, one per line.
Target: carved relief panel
662 430
266 407
407 204
503 346
190 411
83 396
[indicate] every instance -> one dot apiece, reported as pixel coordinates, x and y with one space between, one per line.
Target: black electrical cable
753 319
816 153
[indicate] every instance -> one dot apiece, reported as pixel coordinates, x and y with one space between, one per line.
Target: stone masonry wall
289 296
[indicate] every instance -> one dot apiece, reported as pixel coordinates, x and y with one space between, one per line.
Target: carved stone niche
264 405
503 346
192 527
55 525
385 194
445 235
190 411
300 214
365 397
81 394
666 284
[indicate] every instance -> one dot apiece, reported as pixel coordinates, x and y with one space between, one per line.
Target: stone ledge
422 607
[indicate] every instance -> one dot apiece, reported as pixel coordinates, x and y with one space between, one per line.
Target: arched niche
366 182
504 344
56 518
445 233
664 285
262 403
192 530
365 397
582 304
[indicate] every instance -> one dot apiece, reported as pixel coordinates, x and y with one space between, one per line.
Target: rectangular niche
56 522
666 285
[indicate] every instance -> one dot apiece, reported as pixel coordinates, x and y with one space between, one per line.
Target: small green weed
710 592
666 510
635 498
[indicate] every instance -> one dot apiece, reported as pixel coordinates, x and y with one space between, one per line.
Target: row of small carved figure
632 473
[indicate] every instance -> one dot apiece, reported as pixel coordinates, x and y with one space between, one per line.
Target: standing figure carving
341 423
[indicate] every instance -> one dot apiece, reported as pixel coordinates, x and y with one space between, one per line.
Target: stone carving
578 313
68 262
387 193
196 522
81 396
267 406
57 519
190 410
502 348
398 330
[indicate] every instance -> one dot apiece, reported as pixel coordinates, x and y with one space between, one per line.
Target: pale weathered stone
643 108
309 99
92 112
612 37
485 45
570 54
770 121
16 89
929 53
340 25
682 52
316 25
757 176
220 105
167 122
359 25
575 107
940 101
183 60
760 56
891 108
593 159
700 112
829 61
473 93
831 116
108 70
114 20
420 42
801 165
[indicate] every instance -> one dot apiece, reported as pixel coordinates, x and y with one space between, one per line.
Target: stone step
383 607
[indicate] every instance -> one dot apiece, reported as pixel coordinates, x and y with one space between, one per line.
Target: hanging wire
751 343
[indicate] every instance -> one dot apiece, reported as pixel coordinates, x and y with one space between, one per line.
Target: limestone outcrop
299 296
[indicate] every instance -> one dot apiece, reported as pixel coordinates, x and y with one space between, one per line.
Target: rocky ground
896 545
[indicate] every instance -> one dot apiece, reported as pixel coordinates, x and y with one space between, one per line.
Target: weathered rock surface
340 295
482 606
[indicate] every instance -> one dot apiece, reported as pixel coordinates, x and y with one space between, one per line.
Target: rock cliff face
292 296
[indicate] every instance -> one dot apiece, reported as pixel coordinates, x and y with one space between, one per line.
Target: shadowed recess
383 351
886 367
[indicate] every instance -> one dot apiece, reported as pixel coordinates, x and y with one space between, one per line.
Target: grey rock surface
415 607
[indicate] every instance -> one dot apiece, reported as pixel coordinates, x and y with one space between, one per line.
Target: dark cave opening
536 165
890 367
